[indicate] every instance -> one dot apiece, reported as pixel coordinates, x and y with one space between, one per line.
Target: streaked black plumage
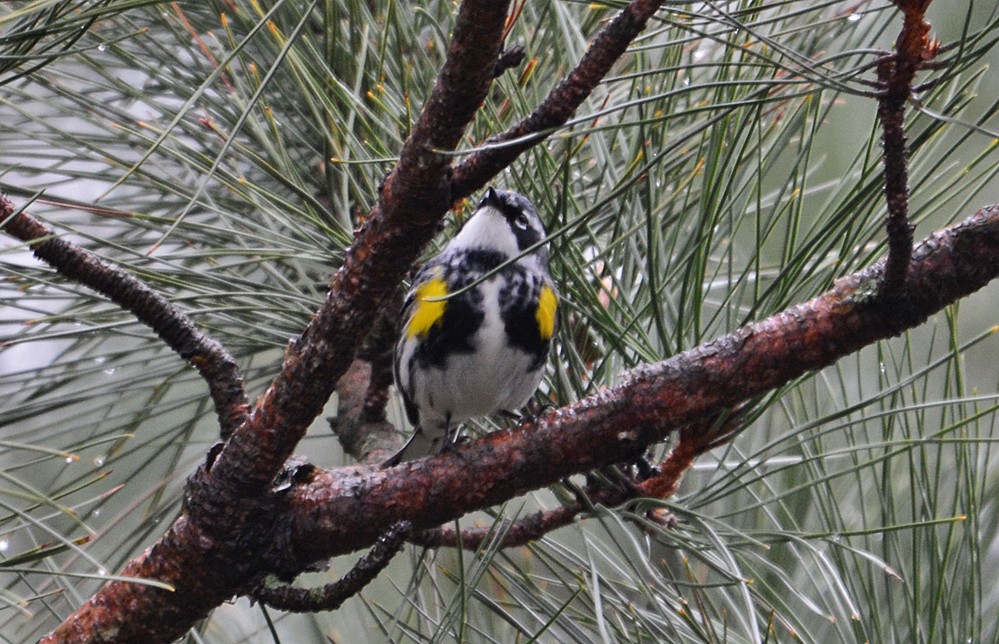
460 354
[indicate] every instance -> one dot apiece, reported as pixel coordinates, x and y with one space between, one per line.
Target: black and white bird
477 325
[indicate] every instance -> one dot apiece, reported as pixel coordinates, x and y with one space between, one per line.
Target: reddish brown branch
695 439
661 483
895 76
515 533
532 527
563 101
334 512
213 362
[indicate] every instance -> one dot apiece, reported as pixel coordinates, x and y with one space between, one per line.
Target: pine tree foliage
223 152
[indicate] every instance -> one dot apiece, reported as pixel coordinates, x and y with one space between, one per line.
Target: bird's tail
420 444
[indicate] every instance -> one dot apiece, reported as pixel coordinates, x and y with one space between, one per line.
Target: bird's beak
490 197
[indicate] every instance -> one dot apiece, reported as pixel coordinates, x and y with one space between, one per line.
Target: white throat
487 230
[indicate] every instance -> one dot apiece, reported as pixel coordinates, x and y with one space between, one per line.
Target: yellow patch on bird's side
429 307
547 306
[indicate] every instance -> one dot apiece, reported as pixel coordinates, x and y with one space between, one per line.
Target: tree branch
322 513
660 483
895 75
363 392
213 362
367 438
332 596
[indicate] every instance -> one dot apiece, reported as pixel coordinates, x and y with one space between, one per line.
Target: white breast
493 378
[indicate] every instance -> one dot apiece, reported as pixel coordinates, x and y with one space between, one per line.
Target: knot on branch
510 58
238 530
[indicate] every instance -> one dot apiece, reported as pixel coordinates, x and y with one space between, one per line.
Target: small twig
525 529
515 533
212 361
363 392
333 595
509 59
378 351
563 101
695 439
895 76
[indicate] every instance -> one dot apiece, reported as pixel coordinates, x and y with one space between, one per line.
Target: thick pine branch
323 513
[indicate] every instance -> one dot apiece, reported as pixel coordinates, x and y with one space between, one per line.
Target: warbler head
505 222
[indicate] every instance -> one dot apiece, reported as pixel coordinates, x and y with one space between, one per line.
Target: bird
476 327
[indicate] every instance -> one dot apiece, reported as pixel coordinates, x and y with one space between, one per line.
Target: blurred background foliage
224 151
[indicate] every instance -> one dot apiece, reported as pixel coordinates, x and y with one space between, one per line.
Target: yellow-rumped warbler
470 346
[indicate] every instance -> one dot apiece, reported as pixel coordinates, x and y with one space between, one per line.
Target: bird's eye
520 221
